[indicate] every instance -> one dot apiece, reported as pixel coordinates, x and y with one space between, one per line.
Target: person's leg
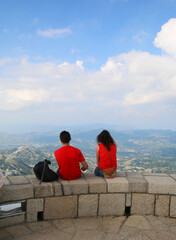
98 172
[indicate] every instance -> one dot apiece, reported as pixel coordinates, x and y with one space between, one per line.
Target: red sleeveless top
105 161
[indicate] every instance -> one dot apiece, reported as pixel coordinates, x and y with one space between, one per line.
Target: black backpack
43 172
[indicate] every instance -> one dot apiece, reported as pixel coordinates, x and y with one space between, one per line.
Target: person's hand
83 169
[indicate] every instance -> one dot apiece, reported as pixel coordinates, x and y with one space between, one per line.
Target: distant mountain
20 160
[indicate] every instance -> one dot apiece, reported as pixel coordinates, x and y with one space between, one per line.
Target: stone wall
142 193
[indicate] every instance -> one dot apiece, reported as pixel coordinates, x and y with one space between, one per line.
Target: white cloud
140 36
166 38
6 60
50 32
126 80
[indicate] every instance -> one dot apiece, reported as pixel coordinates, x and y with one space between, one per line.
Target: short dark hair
65 137
105 138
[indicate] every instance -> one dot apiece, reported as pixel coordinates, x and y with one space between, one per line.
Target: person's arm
83 162
84 166
97 154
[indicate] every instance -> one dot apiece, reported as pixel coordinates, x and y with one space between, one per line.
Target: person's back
68 159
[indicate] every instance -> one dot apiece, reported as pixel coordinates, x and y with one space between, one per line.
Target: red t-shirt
68 159
105 161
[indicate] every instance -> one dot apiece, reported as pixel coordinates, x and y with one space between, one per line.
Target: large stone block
111 204
137 185
96 184
9 221
142 204
118 184
156 174
17 192
128 200
161 185
57 189
66 188
18 180
79 186
121 174
134 175
173 176
162 205
173 206
88 205
60 207
33 207
43 189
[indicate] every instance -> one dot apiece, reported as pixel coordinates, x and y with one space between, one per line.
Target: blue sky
76 62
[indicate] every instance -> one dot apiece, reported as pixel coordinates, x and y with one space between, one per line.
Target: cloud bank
126 80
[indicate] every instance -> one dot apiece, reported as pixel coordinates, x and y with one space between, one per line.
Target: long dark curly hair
105 138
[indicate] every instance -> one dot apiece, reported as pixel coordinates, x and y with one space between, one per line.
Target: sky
65 62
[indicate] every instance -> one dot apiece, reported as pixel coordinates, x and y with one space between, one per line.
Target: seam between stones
154 209
87 184
62 189
98 204
169 206
78 196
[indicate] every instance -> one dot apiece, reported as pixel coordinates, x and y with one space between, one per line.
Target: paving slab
112 224
161 185
127 231
18 230
39 226
156 223
93 228
65 225
4 235
88 224
137 221
88 235
161 235
139 236
112 236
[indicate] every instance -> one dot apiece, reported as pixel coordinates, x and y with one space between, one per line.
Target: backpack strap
41 180
110 159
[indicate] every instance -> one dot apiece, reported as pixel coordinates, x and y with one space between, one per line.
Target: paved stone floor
101 228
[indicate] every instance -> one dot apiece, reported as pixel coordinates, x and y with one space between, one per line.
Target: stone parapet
139 193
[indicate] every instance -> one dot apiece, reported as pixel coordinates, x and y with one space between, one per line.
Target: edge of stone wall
142 193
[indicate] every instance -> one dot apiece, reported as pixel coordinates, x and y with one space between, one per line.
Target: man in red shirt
68 159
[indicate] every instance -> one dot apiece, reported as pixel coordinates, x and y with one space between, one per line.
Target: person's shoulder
58 150
75 149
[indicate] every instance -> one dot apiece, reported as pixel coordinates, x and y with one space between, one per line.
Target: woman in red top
106 155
